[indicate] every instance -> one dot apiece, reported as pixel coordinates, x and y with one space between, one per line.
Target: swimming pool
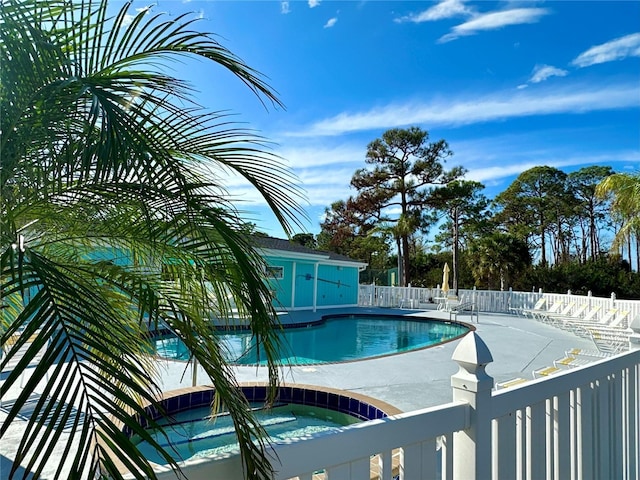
336 338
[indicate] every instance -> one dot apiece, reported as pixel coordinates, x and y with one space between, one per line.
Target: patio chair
526 312
581 352
451 304
616 329
547 317
554 308
571 361
621 320
567 323
511 383
611 343
581 327
546 371
558 319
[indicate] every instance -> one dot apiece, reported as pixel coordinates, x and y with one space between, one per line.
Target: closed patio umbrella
445 279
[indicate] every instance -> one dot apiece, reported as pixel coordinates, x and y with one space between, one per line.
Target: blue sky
510 85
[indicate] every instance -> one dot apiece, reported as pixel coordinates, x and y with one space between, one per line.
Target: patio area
408 381
421 378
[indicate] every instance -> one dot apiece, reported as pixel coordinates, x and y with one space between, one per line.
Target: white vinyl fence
486 300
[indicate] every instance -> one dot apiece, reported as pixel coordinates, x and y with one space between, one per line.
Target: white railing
486 300
581 424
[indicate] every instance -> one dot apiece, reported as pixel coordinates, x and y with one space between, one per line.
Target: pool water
338 339
192 434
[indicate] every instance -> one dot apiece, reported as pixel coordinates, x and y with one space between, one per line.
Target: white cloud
479 109
483 157
618 49
543 72
495 20
128 18
314 3
331 22
321 155
284 7
444 9
335 176
325 195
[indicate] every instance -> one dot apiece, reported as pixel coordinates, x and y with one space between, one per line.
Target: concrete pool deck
408 381
421 378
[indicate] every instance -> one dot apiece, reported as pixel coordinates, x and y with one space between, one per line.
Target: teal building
305 279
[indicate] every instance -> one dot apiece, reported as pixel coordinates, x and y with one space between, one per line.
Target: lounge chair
614 336
581 327
546 371
581 352
554 308
528 312
548 317
611 343
559 319
571 361
617 324
568 323
511 383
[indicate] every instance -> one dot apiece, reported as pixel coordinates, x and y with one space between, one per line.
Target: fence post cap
472 352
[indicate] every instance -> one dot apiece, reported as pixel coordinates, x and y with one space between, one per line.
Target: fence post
613 300
634 338
471 384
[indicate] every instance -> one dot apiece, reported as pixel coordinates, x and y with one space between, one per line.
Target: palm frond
624 190
111 174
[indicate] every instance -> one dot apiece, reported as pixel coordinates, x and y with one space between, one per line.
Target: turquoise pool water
338 339
191 434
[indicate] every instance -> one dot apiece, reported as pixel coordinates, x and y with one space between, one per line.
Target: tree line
546 228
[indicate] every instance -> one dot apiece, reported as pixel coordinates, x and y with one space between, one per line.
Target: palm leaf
625 192
110 174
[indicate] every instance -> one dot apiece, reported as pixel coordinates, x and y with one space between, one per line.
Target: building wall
281 287
305 273
337 285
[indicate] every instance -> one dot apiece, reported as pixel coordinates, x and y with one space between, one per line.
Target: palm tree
497 258
625 190
108 188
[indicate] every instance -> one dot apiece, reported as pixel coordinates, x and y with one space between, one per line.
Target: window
275 272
